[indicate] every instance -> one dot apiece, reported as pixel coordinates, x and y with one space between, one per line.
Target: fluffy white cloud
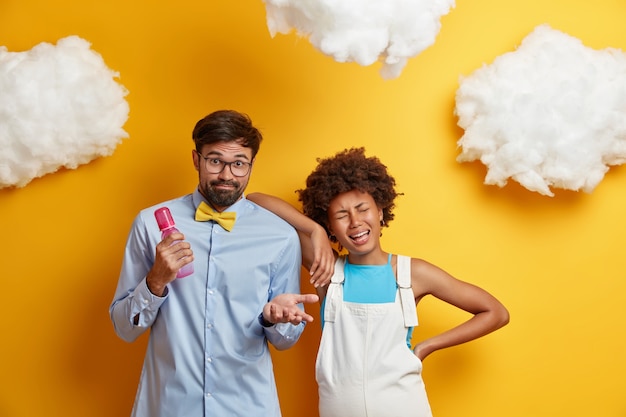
362 31
551 114
60 106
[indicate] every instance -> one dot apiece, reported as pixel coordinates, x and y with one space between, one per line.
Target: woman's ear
331 234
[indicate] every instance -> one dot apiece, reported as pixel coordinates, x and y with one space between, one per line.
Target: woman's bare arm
488 313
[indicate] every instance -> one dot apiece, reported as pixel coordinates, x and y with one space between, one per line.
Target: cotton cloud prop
550 114
362 31
59 107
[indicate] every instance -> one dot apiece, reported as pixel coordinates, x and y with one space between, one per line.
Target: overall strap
334 291
407 298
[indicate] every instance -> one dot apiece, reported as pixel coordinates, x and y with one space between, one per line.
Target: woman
364 367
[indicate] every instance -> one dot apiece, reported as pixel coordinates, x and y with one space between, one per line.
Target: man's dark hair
227 126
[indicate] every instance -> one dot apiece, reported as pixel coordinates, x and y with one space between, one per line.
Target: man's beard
222 198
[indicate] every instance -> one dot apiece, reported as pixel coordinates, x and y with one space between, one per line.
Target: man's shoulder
269 218
172 204
178 206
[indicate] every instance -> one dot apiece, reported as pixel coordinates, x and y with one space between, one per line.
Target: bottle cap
164 218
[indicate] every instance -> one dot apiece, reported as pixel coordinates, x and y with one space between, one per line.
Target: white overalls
364 367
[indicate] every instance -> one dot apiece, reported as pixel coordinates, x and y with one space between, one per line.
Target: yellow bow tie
204 213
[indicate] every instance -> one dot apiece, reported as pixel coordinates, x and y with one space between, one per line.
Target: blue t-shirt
369 284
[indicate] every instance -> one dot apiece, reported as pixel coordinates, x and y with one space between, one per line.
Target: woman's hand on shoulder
323 261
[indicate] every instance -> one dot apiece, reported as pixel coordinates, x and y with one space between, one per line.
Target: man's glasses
216 166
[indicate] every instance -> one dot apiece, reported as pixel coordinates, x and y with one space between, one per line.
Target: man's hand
284 308
172 253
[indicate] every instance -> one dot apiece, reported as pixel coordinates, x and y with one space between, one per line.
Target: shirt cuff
264 322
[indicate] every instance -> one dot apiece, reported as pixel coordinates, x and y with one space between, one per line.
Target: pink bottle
166 225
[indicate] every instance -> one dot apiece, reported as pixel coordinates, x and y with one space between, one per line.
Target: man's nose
226 173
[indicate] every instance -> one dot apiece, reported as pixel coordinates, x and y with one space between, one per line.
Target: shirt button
209 326
208 395
209 360
211 292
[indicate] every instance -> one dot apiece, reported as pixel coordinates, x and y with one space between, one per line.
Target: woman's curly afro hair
348 170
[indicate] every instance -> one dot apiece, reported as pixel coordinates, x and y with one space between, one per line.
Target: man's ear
196 159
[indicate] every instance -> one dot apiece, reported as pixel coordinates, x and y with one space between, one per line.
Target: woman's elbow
501 317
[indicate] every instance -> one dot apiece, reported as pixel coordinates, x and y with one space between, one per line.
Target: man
208 351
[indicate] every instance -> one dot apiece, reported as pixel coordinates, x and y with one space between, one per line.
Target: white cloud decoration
362 31
551 114
60 106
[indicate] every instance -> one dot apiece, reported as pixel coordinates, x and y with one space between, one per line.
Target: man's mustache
230 183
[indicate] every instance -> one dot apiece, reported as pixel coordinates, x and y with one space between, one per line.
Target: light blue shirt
207 352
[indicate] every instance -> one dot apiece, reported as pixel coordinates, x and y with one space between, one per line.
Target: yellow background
556 263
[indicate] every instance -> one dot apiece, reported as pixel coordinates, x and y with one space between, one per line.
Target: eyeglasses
216 166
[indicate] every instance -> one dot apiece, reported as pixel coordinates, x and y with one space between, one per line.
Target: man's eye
238 164
215 161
